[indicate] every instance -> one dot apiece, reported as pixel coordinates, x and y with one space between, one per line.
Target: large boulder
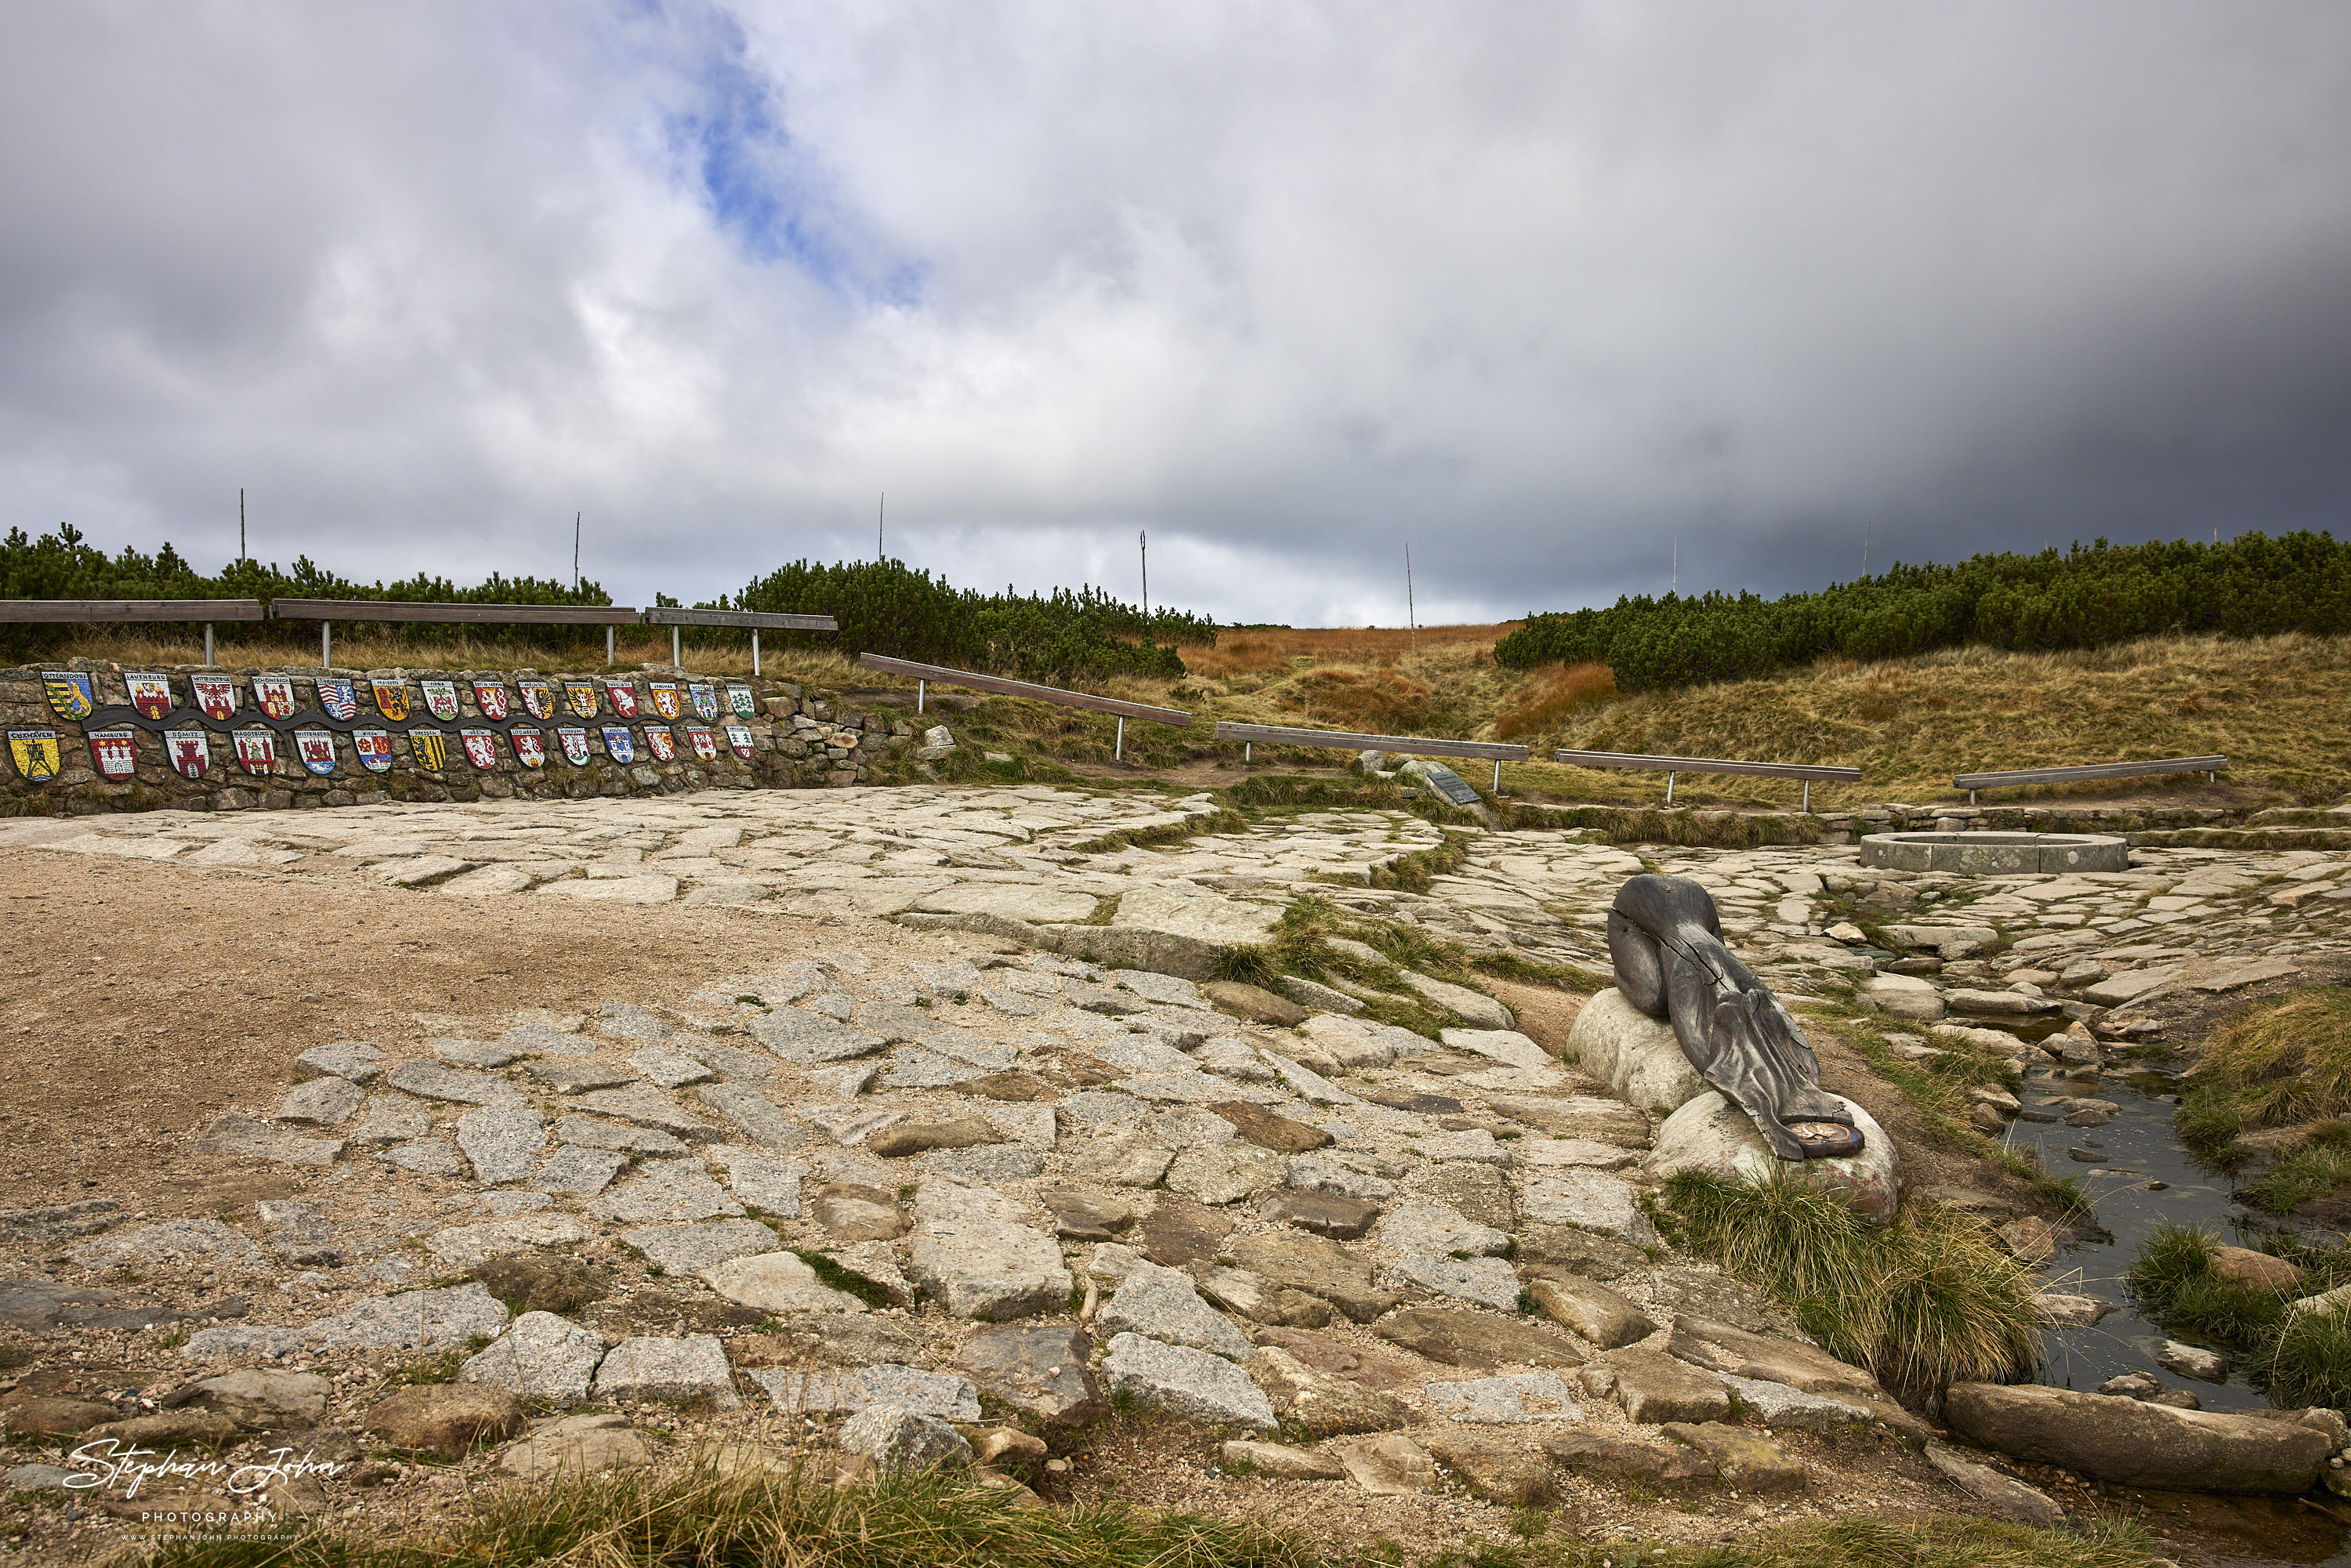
2138 1444
1633 1053
1711 1135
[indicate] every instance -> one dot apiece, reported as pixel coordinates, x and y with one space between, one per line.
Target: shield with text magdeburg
116 752
660 742
538 699
490 696
574 742
619 745
257 749
216 695
69 693
481 748
440 698
428 748
530 746
36 754
704 744
315 750
738 740
191 751
274 694
151 694
336 696
390 699
373 748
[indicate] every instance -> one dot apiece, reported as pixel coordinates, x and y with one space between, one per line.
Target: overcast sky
1538 289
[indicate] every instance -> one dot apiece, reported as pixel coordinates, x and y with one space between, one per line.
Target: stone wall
795 739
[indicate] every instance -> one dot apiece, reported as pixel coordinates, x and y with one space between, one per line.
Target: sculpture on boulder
1665 941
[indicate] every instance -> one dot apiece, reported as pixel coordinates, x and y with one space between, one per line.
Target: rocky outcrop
2138 1444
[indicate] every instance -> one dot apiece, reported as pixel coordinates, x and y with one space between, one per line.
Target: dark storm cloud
1541 290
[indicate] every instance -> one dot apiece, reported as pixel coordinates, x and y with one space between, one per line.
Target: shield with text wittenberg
315 748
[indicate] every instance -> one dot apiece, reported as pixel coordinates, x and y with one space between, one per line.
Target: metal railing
1672 767
924 675
1252 735
755 621
2210 766
60 612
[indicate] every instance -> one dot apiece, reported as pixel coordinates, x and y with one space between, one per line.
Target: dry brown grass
1257 650
1552 694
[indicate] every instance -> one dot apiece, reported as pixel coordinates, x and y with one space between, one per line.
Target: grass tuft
2301 1360
1923 1301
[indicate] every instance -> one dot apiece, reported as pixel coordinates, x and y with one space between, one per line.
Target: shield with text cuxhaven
660 742
664 695
69 693
490 696
740 699
390 699
428 748
738 740
440 698
256 749
151 694
191 751
481 748
116 752
215 694
373 748
622 696
619 745
580 697
531 746
36 754
704 698
538 699
315 750
274 694
704 744
574 741
336 696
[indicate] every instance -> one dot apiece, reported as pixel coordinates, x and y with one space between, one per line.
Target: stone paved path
956 1166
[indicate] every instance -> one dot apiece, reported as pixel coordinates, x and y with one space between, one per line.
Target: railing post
1118 752
608 645
325 645
755 649
1669 788
1498 776
208 645
677 654
1972 798
919 689
1247 746
1808 797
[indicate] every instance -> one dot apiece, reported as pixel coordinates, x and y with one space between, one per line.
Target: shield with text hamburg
336 696
538 699
580 697
622 696
618 744
315 748
151 694
738 740
440 698
704 744
373 748
275 695
36 754
574 742
191 752
115 751
664 698
490 696
69 693
740 699
390 699
428 748
531 746
481 746
257 749
215 694
660 742
704 698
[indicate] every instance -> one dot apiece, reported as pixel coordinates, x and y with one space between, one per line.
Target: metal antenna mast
1411 615
575 552
1143 541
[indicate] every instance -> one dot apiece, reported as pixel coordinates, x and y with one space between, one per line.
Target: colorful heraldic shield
580 697
256 749
69 693
274 694
660 742
705 698
574 741
704 744
530 746
740 699
538 699
622 696
738 740
440 698
191 751
390 699
490 696
618 744
151 694
428 748
316 749
115 751
336 696
216 695
665 697
373 748
36 754
481 748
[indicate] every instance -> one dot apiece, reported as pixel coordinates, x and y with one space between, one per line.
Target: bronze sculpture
1665 941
